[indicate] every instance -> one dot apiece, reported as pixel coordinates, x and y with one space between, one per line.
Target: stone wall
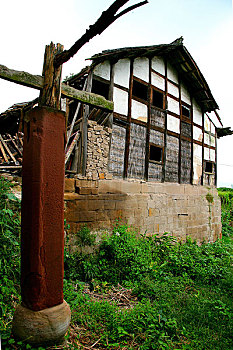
97 150
181 209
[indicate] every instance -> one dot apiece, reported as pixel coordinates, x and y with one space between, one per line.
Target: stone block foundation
181 209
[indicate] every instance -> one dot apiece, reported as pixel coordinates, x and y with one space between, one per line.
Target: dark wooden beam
36 82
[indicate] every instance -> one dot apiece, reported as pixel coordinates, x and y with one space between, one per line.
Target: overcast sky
26 26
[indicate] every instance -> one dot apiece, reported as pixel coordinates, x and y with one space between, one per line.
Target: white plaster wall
158 81
212 128
197 163
103 70
120 99
197 134
172 89
197 114
206 153
206 139
173 105
122 72
172 73
206 123
212 155
212 141
141 68
173 124
185 96
63 104
157 63
139 111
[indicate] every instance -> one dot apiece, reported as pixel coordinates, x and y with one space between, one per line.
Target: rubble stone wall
97 150
181 209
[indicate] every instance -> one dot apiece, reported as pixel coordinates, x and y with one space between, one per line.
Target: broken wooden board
36 82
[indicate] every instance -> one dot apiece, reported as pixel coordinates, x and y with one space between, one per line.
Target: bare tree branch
131 8
104 21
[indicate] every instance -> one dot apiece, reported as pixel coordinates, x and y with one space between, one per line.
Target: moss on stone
209 198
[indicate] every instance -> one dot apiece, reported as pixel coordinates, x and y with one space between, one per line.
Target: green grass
134 292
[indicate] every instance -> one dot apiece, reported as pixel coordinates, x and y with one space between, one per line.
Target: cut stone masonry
181 209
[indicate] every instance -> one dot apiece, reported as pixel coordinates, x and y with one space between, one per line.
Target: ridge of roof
136 50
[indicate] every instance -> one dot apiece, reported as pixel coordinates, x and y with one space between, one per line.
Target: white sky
26 26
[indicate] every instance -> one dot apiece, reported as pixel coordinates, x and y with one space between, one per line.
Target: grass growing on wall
135 292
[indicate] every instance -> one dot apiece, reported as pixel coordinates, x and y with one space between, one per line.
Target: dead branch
103 22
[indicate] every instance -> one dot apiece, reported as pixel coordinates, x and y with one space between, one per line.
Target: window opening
140 90
157 99
100 88
185 111
209 167
156 153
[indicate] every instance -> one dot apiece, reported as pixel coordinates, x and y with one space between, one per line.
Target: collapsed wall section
183 210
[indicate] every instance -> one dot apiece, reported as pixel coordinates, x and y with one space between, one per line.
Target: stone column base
45 327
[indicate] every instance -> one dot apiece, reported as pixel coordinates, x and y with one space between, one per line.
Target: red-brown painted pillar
42 228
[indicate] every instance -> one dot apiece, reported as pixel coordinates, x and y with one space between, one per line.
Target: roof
179 57
10 119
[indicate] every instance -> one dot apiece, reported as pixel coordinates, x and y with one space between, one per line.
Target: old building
158 147
152 162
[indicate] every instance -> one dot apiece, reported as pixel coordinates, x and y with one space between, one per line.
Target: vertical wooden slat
126 160
191 171
110 97
179 158
165 128
149 97
215 180
203 132
84 128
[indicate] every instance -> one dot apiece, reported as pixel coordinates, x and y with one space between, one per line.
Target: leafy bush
9 254
226 195
124 256
184 291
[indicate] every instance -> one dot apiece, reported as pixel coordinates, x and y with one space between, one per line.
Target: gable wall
189 142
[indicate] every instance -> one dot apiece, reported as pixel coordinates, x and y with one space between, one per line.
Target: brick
121 204
84 190
109 204
69 185
103 215
130 187
96 205
77 205
70 196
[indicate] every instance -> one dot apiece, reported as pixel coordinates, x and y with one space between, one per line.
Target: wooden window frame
162 154
213 164
153 88
139 99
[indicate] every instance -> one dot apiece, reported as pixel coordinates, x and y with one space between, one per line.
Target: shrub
9 254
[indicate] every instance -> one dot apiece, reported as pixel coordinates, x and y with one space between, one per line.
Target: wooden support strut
36 82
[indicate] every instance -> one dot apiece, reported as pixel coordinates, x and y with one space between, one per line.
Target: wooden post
51 93
43 318
84 126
